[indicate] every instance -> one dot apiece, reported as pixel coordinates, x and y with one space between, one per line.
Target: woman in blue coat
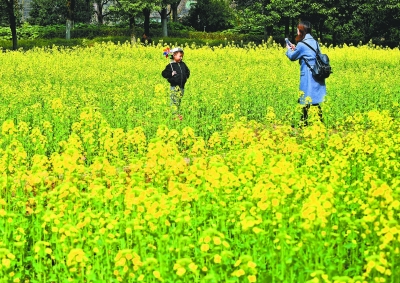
313 91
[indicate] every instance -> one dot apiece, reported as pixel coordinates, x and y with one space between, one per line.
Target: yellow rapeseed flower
251 264
204 247
217 241
181 271
217 258
157 274
207 239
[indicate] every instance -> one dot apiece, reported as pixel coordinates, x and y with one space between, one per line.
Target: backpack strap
316 53
308 64
311 47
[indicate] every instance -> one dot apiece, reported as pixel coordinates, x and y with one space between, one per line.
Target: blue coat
311 88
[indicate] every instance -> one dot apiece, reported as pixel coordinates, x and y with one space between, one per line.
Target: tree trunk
319 31
174 8
164 20
334 38
133 29
265 33
287 30
265 25
68 27
70 18
13 23
99 12
89 7
146 13
131 22
294 28
100 18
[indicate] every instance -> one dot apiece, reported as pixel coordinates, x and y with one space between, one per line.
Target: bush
26 44
175 30
176 26
27 31
30 36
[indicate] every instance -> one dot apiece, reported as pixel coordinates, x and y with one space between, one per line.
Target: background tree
146 23
174 10
101 11
131 8
70 17
265 15
211 15
393 12
334 20
315 12
358 20
373 19
9 16
254 17
164 13
164 17
287 13
51 12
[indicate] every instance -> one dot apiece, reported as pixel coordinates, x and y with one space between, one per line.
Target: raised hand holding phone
289 45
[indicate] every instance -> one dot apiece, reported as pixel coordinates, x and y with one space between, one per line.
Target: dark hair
304 28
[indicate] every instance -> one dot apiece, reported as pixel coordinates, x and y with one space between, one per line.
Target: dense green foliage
210 15
341 21
30 36
52 12
335 22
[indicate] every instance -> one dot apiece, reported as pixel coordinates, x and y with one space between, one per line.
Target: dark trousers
304 116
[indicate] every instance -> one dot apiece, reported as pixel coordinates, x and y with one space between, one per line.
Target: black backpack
322 69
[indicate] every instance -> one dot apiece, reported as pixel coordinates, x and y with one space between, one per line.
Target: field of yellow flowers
99 183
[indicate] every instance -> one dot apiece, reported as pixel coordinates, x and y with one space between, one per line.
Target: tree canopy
344 21
337 21
211 15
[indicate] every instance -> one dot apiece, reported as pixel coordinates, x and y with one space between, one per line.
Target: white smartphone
288 42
